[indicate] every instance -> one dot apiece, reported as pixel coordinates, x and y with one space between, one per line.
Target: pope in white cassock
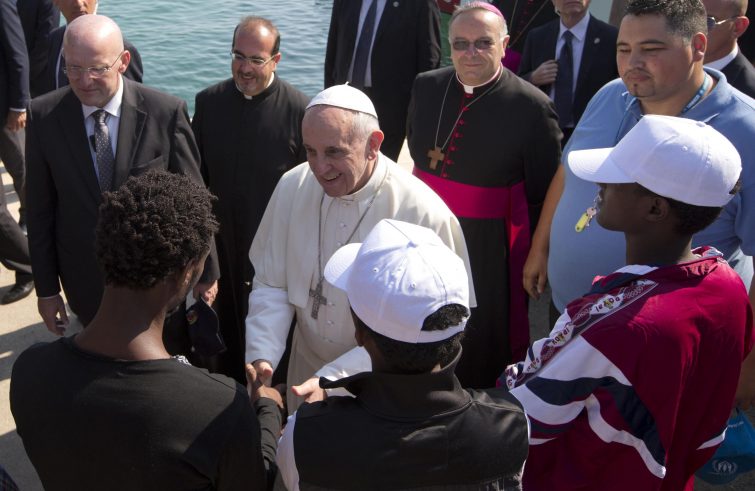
346 187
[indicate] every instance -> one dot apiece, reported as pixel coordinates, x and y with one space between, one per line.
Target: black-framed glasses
254 60
75 72
482 44
713 22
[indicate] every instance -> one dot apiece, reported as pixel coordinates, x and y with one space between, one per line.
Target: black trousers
14 247
12 154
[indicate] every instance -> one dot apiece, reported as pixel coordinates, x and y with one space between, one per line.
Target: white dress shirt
721 63
362 15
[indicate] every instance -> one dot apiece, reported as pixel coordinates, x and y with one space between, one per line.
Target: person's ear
659 209
740 25
699 45
373 144
125 60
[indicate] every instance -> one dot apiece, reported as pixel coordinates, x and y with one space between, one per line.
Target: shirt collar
721 63
579 30
406 396
250 97
469 89
113 106
707 109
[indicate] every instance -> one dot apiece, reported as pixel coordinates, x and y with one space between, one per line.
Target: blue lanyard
699 95
623 129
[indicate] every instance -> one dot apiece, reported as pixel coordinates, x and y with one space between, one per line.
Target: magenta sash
510 204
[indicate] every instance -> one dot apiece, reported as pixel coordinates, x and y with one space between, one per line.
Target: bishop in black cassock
490 151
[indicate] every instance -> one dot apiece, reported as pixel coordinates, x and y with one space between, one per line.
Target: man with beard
248 130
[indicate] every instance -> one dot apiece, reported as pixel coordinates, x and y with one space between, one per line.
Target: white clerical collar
113 106
721 63
373 184
250 97
469 89
579 30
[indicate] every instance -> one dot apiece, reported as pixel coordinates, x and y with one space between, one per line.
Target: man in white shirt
379 46
570 73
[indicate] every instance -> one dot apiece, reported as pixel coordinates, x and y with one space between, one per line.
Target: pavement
21 327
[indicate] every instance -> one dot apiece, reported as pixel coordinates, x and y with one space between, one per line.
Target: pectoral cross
318 298
435 156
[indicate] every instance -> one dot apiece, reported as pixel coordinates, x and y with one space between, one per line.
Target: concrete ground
20 327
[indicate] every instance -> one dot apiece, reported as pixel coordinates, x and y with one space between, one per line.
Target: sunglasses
713 22
482 44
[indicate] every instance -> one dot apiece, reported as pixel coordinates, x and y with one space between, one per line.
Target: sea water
185 45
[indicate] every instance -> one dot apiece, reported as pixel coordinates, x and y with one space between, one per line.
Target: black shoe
19 291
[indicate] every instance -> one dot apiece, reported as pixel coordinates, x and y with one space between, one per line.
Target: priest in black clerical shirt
248 129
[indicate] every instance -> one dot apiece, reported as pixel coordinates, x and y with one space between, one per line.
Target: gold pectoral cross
435 156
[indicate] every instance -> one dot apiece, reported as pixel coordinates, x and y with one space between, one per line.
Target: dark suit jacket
598 65
407 42
135 71
14 62
741 74
154 133
38 18
523 16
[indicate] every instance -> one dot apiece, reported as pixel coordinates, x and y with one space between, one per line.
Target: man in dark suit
38 18
14 97
53 77
83 140
591 49
379 46
726 24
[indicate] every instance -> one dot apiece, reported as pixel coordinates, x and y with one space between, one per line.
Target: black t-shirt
91 422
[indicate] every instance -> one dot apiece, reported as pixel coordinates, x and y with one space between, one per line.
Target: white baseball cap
397 277
345 97
677 158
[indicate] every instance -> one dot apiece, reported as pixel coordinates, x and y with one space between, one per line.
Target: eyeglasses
482 44
713 22
254 60
74 72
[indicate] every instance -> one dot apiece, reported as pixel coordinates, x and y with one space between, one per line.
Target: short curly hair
151 227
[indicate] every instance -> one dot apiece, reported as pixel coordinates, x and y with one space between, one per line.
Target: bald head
728 23
95 58
92 31
258 27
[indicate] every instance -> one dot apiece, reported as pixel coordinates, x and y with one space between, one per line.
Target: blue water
184 44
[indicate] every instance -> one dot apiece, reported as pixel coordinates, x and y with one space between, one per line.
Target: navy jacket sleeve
15 58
